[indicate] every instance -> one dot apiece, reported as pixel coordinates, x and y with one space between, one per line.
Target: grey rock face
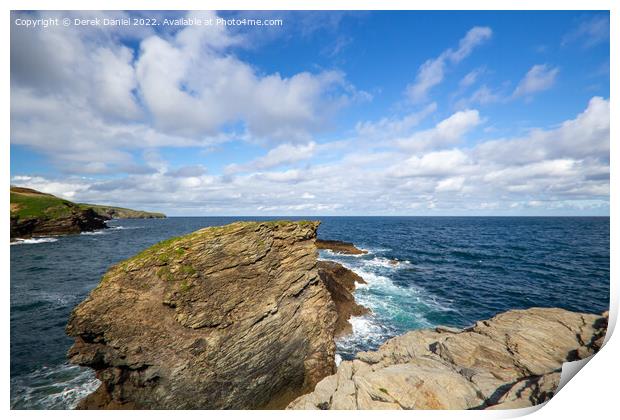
510 361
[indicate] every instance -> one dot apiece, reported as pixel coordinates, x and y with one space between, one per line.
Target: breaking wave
395 307
31 241
58 387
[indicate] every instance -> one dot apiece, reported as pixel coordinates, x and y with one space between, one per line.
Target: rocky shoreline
512 360
245 316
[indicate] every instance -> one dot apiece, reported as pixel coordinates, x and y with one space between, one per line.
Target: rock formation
34 213
340 282
510 361
227 317
339 247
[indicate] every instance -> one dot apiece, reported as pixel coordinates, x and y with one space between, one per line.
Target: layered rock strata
227 317
512 360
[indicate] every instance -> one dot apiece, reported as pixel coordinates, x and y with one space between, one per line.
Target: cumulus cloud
434 164
449 131
431 72
90 102
585 136
281 155
538 78
191 88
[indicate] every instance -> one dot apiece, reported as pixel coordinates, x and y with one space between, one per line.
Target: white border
592 395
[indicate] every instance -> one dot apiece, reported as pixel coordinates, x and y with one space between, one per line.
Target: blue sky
332 113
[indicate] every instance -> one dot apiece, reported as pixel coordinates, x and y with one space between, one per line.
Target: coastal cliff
512 360
227 317
34 213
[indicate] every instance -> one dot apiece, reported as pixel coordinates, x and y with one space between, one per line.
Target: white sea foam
58 387
109 230
125 227
332 255
31 241
367 332
392 264
394 308
94 232
338 359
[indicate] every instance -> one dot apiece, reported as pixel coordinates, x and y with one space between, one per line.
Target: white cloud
540 77
449 131
474 37
91 104
192 88
388 128
564 169
585 136
450 184
470 78
545 168
431 72
481 96
435 164
590 32
281 155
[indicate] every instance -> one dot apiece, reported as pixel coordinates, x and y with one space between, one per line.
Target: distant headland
34 213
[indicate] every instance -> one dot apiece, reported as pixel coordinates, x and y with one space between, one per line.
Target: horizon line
455 215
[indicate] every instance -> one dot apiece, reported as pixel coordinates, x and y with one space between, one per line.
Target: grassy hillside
29 203
123 213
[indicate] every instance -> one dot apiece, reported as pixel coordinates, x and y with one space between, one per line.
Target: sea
420 272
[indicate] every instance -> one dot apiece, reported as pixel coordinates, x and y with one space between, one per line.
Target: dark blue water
451 271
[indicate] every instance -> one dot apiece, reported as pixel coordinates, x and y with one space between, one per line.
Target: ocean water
451 271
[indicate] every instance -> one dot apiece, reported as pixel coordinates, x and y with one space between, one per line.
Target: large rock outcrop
340 281
510 361
227 317
339 247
